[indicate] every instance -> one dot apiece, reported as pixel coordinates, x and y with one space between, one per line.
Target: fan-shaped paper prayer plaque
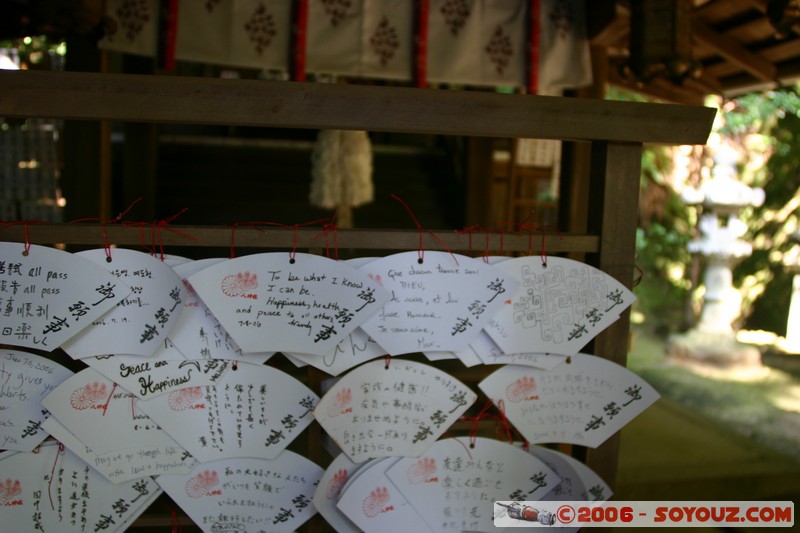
375 505
254 411
138 324
48 295
354 349
247 494
394 409
558 308
198 333
451 482
25 379
582 402
54 490
327 493
133 462
578 481
146 378
267 303
103 415
438 305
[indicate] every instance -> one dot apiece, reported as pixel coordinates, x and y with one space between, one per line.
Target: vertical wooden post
139 155
613 215
479 185
82 182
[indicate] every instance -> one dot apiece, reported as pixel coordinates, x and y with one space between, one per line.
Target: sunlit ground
761 403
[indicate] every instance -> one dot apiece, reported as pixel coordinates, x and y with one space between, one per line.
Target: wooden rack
615 130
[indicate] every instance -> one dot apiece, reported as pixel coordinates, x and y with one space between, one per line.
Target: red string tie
26 247
233 240
501 408
328 228
174 520
476 228
544 229
104 221
473 432
164 225
295 227
422 231
53 474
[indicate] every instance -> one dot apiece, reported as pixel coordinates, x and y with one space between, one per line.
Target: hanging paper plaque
394 409
138 324
48 296
558 308
254 411
583 402
247 494
438 305
25 379
267 303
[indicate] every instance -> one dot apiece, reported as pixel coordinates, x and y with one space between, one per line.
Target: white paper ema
25 379
54 490
578 481
439 305
557 308
134 462
48 296
103 415
254 411
247 494
330 486
375 411
453 483
198 333
139 323
583 402
372 503
145 379
266 303
354 349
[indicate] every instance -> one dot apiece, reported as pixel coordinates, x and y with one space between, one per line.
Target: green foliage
759 112
772 225
665 229
661 295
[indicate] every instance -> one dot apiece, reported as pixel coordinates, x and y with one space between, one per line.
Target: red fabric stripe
171 35
534 37
422 8
299 44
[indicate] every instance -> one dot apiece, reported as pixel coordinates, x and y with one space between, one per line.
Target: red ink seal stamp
422 471
341 403
182 399
8 490
239 284
86 397
375 503
522 390
335 484
203 484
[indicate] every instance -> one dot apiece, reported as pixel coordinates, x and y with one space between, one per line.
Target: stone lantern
722 198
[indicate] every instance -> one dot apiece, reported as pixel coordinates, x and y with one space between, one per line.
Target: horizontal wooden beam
303 238
189 100
734 52
661 89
